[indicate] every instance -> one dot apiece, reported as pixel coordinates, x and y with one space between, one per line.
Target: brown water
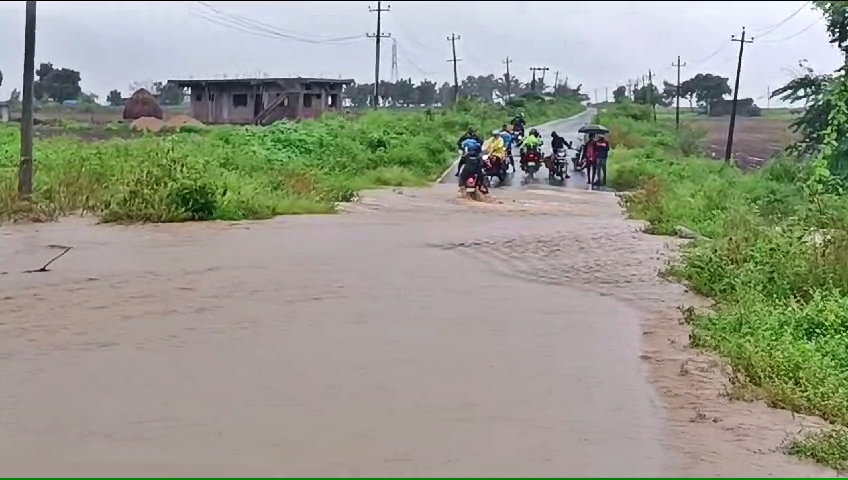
415 334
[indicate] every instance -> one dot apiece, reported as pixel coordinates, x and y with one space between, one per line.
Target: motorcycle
531 162
495 167
577 160
558 165
478 182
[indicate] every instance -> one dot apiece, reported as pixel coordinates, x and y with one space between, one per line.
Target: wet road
567 128
415 334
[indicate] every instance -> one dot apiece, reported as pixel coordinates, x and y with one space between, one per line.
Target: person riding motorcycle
469 134
533 142
558 144
508 139
518 123
494 146
471 162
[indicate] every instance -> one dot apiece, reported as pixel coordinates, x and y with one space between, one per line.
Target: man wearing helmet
558 143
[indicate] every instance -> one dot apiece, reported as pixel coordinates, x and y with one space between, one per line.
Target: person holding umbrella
591 151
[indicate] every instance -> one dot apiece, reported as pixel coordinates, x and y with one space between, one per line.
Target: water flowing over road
414 334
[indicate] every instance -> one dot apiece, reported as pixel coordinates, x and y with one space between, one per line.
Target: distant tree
57 84
426 92
619 94
169 93
89 98
669 93
15 98
647 95
707 88
115 98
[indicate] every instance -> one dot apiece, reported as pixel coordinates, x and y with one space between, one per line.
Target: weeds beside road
235 173
773 254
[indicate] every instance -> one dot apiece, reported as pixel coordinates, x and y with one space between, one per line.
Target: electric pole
556 79
768 97
596 95
728 153
651 101
508 79
630 89
678 65
453 38
533 81
377 37
25 170
606 94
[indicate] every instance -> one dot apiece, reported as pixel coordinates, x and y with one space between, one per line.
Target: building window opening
307 101
240 100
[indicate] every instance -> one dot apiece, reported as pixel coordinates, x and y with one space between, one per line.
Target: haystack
147 124
142 104
179 121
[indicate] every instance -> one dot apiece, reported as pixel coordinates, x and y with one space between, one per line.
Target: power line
790 37
790 17
257 28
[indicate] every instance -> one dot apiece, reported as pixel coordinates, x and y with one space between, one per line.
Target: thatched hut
142 104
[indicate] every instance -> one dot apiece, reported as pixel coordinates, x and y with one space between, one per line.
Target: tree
89 98
669 93
426 92
15 98
55 84
619 94
115 98
707 88
169 93
647 95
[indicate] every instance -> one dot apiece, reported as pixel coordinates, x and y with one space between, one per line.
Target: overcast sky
598 44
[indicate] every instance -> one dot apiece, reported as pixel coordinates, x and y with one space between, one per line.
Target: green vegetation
774 256
245 172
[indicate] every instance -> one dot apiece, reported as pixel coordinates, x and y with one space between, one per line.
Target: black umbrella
593 129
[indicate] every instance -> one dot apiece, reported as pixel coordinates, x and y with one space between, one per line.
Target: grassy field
774 256
237 173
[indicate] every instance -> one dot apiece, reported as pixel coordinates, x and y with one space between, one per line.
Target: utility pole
596 95
630 89
556 79
678 65
453 38
768 97
728 153
651 100
534 70
25 170
508 79
377 37
606 94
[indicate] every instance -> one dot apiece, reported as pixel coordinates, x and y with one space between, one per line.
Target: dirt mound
147 124
179 121
142 104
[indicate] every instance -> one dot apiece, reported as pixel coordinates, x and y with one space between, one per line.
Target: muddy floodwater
413 334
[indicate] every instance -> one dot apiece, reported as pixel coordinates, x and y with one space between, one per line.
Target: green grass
233 173
775 259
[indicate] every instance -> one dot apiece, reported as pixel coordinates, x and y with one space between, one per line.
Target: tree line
61 85
487 88
701 91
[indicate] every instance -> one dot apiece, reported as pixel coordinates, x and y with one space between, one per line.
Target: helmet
534 132
496 132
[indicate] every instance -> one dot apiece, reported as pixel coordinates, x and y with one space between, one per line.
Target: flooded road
414 334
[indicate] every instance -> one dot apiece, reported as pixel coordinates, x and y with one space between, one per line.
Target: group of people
594 154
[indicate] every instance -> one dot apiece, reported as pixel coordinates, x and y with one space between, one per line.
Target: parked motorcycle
578 161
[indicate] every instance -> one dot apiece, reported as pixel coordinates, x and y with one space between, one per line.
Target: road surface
415 334
566 128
